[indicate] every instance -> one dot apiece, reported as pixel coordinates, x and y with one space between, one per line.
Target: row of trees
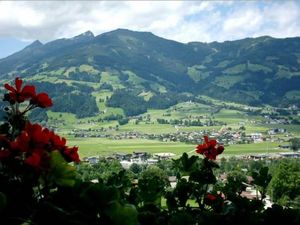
133 105
130 103
73 99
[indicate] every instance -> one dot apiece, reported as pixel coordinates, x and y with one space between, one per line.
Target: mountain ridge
262 70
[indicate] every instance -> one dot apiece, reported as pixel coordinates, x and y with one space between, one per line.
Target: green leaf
61 173
185 163
122 214
183 191
262 178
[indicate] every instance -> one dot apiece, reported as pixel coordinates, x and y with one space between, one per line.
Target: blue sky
9 46
23 22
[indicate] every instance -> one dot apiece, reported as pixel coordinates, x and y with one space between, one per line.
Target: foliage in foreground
39 184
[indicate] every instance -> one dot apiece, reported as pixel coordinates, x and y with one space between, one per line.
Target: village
225 135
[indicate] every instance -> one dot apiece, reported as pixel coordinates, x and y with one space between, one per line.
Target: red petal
220 149
28 91
206 139
39 136
64 141
18 83
72 154
200 149
57 142
211 197
10 88
21 143
33 160
213 143
42 100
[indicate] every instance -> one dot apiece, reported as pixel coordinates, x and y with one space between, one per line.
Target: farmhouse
276 131
290 154
257 137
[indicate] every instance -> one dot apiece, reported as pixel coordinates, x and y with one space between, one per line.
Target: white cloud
284 13
179 20
17 17
277 20
242 22
282 20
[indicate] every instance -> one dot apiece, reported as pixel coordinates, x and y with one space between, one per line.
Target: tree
284 186
152 183
123 121
131 103
295 144
136 168
261 180
234 184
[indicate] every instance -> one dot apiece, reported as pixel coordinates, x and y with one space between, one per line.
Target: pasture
147 124
104 146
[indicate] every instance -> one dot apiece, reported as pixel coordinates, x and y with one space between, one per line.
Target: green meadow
234 119
104 146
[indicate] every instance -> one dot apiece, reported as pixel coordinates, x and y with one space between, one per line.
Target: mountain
254 71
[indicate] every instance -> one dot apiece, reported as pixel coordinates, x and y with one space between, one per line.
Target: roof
164 154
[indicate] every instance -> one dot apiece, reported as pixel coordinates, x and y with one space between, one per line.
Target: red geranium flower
215 201
56 142
34 136
42 100
72 154
35 142
34 160
209 199
19 94
209 149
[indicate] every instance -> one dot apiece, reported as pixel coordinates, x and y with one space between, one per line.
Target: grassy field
234 119
263 147
103 146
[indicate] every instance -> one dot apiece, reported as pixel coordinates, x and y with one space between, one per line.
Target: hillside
155 72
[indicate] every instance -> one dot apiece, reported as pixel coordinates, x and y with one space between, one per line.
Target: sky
22 22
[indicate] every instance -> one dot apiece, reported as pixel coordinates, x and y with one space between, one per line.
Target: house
92 160
152 161
164 155
276 131
122 156
284 146
256 137
173 181
290 154
251 193
140 155
257 156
